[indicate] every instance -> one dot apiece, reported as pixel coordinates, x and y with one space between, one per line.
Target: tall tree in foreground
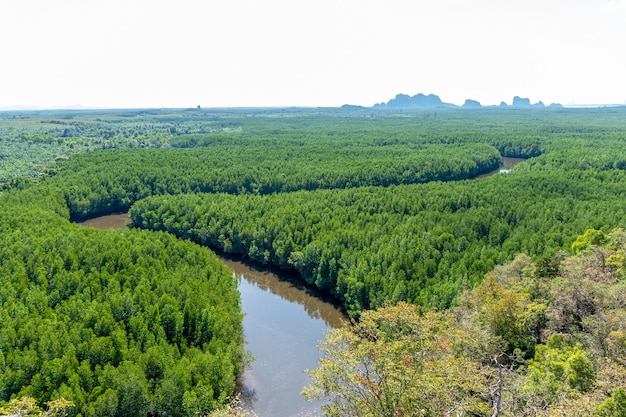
397 362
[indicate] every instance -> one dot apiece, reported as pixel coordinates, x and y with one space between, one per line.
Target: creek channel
282 326
506 165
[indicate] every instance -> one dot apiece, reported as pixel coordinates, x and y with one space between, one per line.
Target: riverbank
283 323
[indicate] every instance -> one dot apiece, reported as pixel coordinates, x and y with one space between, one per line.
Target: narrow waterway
506 165
282 326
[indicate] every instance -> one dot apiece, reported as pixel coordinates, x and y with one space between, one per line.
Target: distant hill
521 102
471 103
421 101
418 101
525 102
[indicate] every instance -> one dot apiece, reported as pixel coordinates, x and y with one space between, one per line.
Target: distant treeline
101 182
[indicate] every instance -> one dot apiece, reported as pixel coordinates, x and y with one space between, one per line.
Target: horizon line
446 106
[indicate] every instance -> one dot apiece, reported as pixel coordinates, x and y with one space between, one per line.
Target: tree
614 406
27 406
592 237
557 368
394 362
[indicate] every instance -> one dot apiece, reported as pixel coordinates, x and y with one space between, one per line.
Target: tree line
102 182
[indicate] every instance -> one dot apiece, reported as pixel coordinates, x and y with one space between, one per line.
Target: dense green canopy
120 322
370 206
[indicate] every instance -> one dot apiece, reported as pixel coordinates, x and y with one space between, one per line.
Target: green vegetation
419 243
374 207
120 323
27 406
395 361
111 181
522 343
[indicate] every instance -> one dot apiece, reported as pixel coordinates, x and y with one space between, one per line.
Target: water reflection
283 324
282 327
110 221
506 165
289 291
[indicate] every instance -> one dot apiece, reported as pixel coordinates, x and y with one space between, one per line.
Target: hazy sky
218 53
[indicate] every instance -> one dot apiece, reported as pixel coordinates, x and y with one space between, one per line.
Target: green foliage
614 406
591 237
31 141
558 366
421 243
581 138
27 406
367 205
395 361
509 315
120 323
111 181
367 364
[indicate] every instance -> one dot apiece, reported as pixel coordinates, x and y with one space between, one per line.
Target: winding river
282 325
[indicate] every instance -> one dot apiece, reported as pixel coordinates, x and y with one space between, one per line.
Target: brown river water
506 165
282 325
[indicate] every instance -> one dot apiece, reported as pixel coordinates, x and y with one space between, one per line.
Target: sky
257 53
